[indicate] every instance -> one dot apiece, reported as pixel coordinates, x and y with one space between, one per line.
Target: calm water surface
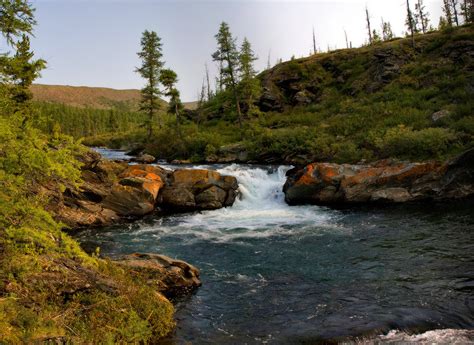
278 274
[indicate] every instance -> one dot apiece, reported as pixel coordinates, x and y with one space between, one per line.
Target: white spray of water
260 211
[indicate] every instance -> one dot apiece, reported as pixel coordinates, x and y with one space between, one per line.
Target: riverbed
277 274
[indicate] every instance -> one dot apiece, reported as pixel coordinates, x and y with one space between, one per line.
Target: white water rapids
259 211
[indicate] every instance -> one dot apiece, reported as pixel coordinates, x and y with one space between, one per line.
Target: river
277 274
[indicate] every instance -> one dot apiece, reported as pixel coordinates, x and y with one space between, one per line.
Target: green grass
356 115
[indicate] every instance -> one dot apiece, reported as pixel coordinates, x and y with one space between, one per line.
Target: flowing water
277 274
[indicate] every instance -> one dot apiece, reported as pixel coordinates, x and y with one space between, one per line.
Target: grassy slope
51 291
367 103
370 103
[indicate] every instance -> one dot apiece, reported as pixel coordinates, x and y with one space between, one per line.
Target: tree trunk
177 119
456 19
368 25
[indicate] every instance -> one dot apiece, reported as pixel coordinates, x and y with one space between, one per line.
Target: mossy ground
50 290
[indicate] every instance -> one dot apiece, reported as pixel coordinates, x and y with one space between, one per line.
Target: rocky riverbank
384 181
112 192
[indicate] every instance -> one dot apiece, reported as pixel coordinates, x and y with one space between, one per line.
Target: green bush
405 142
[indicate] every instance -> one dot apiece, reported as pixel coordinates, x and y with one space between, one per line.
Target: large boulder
381 182
168 276
198 189
112 192
109 192
136 191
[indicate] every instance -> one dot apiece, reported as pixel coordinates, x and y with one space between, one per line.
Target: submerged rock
168 276
144 158
381 182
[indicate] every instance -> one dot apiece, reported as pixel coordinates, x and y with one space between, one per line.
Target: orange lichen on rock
307 177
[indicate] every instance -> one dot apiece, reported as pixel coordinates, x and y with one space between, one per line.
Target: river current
277 274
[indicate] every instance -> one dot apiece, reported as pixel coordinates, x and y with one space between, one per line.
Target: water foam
438 336
260 211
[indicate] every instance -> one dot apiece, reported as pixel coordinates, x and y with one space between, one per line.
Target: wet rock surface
114 191
198 190
382 182
168 276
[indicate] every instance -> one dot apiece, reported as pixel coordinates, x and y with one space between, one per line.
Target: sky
94 43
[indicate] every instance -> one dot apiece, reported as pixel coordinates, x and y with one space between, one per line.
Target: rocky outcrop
112 192
168 276
190 189
381 182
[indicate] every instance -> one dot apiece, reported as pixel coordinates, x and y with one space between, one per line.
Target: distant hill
86 97
91 97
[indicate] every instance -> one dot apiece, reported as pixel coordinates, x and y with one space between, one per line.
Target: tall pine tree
410 23
150 70
169 78
422 16
249 87
228 56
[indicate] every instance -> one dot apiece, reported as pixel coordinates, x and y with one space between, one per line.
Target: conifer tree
22 71
249 87
448 14
16 19
410 24
376 37
467 8
368 25
454 4
208 83
314 43
228 55
150 70
168 79
387 33
422 16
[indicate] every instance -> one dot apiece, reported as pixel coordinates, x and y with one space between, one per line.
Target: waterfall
259 211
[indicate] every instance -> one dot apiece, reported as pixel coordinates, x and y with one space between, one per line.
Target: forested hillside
389 99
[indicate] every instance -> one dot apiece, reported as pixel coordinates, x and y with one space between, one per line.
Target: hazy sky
94 43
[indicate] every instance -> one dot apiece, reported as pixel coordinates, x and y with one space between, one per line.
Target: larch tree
454 4
369 29
249 86
422 16
314 43
168 79
228 55
150 70
467 9
387 33
208 83
410 23
448 14
16 19
22 70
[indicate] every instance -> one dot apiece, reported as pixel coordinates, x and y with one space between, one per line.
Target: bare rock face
381 182
168 276
136 192
112 192
193 189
